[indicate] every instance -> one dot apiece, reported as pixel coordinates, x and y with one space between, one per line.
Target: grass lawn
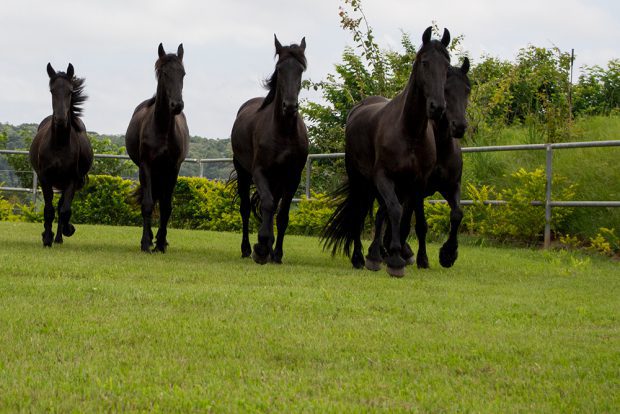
95 325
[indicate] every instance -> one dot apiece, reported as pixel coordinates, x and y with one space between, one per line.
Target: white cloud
229 46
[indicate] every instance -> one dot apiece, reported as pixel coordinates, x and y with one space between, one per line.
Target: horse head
61 88
291 64
457 94
170 73
430 70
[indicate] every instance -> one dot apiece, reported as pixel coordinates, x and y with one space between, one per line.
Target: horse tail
346 223
255 205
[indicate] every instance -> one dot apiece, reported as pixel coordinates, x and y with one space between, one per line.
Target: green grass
95 325
595 171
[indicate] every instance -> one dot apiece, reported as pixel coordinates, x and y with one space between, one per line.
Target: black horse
445 178
157 140
60 152
390 153
270 147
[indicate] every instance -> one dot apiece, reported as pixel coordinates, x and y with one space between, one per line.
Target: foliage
110 166
310 216
206 205
106 200
598 90
605 242
519 220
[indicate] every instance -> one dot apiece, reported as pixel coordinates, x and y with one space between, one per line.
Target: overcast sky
229 46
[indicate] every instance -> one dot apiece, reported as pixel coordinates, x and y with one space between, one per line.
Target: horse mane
293 51
78 97
170 57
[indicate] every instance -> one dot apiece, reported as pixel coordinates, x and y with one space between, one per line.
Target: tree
598 90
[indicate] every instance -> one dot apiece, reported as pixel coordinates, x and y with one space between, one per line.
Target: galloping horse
270 147
157 141
390 153
446 176
60 152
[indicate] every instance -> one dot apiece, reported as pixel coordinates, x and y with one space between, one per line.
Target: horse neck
163 119
61 135
414 115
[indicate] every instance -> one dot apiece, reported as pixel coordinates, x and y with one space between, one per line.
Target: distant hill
14 170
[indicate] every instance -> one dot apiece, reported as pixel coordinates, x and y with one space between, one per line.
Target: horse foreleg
282 224
64 214
405 229
147 208
385 187
48 214
58 238
448 253
165 210
421 228
374 258
262 249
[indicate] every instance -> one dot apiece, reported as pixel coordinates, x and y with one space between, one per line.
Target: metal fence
548 202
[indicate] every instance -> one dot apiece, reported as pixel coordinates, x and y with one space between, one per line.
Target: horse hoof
396 272
410 260
47 239
68 230
58 240
159 249
422 263
261 260
446 257
373 265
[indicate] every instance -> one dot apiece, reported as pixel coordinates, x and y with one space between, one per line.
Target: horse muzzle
435 110
176 107
457 129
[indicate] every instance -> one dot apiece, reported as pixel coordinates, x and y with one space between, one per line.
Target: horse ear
445 39
70 71
426 36
50 70
303 44
180 51
160 50
465 66
278 44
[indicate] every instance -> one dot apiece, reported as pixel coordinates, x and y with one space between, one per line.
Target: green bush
106 200
518 220
206 205
310 215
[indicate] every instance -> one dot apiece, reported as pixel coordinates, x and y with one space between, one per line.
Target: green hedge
212 205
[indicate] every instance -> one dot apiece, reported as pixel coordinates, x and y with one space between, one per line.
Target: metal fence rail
548 203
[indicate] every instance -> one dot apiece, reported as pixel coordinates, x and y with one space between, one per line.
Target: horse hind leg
243 190
374 258
147 205
165 210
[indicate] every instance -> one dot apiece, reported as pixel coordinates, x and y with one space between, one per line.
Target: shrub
310 215
106 200
206 205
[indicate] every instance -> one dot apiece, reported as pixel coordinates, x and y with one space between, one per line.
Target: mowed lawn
96 325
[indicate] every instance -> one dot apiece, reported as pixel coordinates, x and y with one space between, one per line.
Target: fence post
202 169
549 174
308 172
